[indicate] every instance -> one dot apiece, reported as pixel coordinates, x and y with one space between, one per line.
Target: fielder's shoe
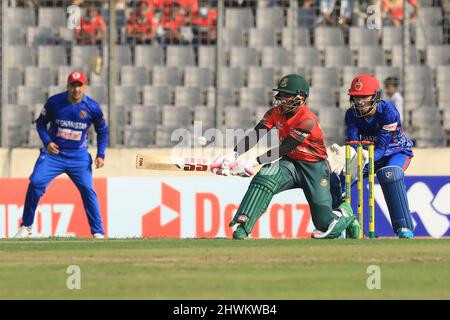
99 236
24 232
405 233
240 233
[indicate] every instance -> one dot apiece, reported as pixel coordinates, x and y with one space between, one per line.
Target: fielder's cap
76 76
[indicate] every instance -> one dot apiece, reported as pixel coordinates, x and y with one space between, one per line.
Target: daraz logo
165 219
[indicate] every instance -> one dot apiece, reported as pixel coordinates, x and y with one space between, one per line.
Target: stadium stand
161 86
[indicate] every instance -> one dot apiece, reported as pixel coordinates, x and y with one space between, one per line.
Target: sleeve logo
390 127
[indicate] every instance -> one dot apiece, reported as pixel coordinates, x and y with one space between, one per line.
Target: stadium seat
270 18
98 93
275 57
142 116
238 118
254 97
147 56
349 72
134 76
260 38
187 96
344 102
135 137
207 116
239 18
197 77
322 97
29 96
37 36
391 36
446 120
259 77
430 16
295 37
361 36
369 56
229 78
16 114
418 74
20 56
157 95
24 17
383 72
123 55
176 116
180 56
83 55
429 35
328 36
207 57
51 17
225 96
35 77
15 77
444 98
412 57
443 76
52 56
323 77
126 95
52 90
338 56
166 76
16 36
233 37
243 57
417 95
306 57
14 135
438 55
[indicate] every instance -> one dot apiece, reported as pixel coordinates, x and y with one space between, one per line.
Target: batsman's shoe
344 218
98 236
23 233
353 229
240 233
405 233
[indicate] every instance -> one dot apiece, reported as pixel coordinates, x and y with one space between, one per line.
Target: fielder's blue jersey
69 124
384 129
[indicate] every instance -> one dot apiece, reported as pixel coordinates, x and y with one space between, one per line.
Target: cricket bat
152 162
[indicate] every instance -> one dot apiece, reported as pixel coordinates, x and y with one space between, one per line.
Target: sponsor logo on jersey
83 114
390 127
69 134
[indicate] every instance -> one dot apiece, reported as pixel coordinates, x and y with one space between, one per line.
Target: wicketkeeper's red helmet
364 85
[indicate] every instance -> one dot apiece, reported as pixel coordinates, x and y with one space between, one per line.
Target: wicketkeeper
300 161
373 119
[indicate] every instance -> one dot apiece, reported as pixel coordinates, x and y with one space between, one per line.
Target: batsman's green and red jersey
304 125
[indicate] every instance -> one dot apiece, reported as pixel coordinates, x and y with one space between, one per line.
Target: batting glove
221 166
244 168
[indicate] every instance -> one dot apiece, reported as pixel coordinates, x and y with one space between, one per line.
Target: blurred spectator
170 25
393 95
92 27
360 11
335 12
141 25
204 23
393 12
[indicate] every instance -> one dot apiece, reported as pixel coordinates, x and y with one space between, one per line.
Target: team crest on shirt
358 84
284 82
323 182
83 114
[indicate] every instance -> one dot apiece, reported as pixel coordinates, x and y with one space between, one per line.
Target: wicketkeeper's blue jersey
384 128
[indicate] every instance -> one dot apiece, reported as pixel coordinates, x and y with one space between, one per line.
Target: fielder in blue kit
70 115
373 119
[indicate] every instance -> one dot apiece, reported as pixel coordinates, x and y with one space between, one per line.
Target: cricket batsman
70 115
373 119
301 162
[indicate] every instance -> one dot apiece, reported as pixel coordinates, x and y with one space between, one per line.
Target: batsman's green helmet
293 84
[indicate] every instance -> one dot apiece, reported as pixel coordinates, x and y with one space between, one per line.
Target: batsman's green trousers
286 174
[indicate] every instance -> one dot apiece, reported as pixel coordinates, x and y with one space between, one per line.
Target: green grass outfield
224 269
